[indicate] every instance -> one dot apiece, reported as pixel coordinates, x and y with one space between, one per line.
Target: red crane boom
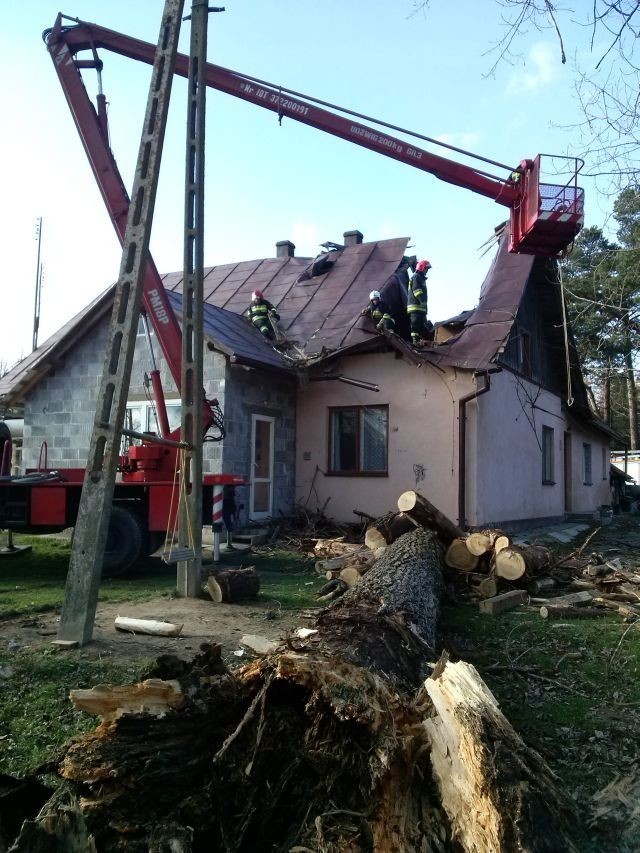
545 218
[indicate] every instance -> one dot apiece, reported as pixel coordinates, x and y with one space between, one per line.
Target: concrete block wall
253 392
61 408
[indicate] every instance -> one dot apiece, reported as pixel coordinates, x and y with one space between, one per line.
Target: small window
586 464
358 440
605 467
141 417
524 352
548 477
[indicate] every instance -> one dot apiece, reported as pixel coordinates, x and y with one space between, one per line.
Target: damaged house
491 422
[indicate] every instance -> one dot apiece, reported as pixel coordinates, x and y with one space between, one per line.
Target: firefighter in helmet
421 329
378 311
260 311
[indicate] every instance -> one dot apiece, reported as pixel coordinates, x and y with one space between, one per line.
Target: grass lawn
36 716
570 688
34 581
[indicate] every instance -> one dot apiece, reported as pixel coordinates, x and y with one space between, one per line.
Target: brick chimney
353 238
285 249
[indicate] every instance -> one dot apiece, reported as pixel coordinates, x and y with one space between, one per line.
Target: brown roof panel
487 328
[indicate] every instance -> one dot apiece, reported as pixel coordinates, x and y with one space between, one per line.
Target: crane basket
548 216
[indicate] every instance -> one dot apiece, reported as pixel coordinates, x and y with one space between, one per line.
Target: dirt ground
203 622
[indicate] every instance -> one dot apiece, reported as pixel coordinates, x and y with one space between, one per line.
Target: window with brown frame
358 440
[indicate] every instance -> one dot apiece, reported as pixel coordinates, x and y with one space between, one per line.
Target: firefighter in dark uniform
377 310
260 311
417 305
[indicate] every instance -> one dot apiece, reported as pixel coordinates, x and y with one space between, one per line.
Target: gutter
462 444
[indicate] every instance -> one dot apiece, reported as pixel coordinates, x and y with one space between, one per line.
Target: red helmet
423 265
257 294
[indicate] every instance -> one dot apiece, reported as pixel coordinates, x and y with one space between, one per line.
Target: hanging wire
565 330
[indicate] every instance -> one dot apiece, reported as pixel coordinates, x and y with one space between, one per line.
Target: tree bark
426 514
632 398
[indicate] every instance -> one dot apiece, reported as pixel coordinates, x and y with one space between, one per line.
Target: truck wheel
126 542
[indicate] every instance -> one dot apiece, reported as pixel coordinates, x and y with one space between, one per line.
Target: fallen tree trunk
323 747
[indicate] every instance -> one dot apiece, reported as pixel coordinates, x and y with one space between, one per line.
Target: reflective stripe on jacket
260 310
417 294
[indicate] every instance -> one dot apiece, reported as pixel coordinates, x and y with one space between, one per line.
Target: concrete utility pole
85 567
190 520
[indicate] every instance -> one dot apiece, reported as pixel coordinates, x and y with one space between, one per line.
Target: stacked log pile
339 743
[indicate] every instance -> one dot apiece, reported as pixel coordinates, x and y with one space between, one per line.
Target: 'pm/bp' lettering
158 308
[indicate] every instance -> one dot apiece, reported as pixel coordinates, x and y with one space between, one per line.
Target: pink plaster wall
505 479
504 459
423 417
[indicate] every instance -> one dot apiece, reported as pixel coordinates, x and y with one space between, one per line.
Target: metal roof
319 314
234 336
487 328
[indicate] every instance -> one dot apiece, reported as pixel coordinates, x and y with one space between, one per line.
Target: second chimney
285 249
353 238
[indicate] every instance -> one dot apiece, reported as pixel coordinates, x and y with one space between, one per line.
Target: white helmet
375 294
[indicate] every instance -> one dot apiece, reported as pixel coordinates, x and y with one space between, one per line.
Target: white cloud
540 69
459 139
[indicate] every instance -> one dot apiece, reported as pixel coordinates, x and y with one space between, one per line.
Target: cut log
330 591
541 585
505 601
147 626
387 529
569 612
499 794
481 542
625 610
427 515
458 556
488 587
500 543
512 563
571 599
231 585
332 575
350 576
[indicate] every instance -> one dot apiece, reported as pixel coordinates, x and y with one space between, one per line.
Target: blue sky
266 182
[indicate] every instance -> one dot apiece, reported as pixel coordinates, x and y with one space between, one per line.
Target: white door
261 498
